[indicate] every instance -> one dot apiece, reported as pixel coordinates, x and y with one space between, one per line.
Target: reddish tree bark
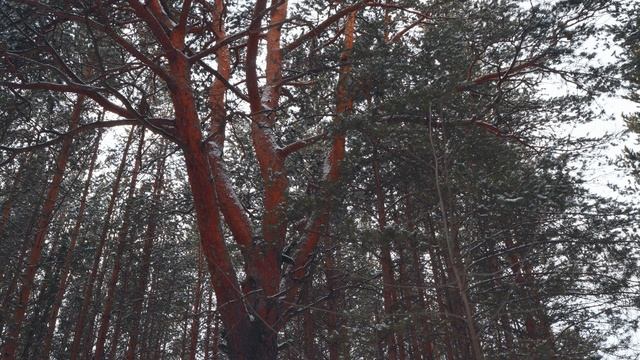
120 247
208 329
145 263
121 307
8 294
46 289
254 311
388 279
441 292
308 325
407 298
90 332
504 321
425 324
195 316
66 266
332 161
8 204
537 328
332 274
88 288
42 227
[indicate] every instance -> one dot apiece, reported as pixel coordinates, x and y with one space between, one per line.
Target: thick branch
301 144
501 75
156 28
184 16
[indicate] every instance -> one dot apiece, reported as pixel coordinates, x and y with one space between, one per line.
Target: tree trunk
5 214
42 227
145 263
66 267
425 323
503 321
442 291
388 279
538 330
207 336
195 321
408 299
87 292
309 345
22 254
333 302
122 312
43 297
120 247
453 256
90 335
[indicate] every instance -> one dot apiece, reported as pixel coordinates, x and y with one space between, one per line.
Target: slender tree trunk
333 302
207 336
185 333
503 322
46 290
309 345
121 312
407 295
87 292
195 321
4 221
458 271
8 295
145 264
388 279
117 327
42 227
216 339
442 291
538 330
120 247
457 318
66 267
87 346
7 206
425 324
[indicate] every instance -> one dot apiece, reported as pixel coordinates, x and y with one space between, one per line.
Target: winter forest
319 179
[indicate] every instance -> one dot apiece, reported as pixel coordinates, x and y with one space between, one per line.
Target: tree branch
154 25
89 91
301 144
124 44
164 123
324 25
